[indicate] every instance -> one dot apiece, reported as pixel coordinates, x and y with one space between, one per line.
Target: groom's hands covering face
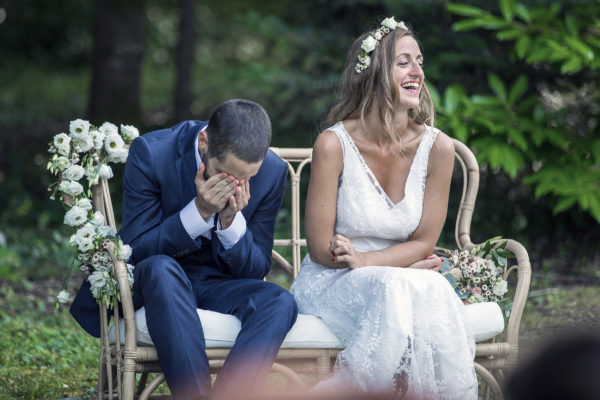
236 203
214 193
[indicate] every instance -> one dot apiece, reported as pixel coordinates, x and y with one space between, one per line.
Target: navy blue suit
175 274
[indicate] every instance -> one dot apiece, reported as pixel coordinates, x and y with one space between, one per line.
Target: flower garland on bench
85 154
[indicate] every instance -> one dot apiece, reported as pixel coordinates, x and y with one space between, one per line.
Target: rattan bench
309 349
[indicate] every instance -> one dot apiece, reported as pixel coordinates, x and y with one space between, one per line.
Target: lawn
45 355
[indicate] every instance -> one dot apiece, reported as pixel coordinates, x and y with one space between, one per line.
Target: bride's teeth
410 85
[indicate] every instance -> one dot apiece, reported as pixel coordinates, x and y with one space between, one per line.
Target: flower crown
371 42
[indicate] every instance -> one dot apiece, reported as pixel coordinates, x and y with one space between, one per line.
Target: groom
200 202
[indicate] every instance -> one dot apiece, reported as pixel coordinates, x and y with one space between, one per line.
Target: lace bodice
365 213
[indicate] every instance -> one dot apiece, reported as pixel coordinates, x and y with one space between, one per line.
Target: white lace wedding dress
403 329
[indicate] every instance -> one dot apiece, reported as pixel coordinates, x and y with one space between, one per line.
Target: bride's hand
432 262
342 250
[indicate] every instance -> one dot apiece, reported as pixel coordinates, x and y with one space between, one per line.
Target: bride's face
407 71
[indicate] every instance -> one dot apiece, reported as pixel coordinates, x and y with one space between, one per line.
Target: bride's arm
321 199
435 205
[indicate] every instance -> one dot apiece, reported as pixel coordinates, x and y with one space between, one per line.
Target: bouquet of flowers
79 159
478 275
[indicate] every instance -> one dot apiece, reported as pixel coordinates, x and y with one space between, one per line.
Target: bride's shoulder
442 149
327 143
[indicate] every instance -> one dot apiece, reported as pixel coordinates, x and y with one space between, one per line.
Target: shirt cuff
230 236
192 221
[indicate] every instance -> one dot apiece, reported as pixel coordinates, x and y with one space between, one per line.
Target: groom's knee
160 272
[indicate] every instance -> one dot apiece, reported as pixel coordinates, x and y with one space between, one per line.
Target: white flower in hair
390 23
369 44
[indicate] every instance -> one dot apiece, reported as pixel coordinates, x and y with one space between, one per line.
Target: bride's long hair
374 86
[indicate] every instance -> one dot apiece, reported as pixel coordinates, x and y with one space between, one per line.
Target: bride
376 204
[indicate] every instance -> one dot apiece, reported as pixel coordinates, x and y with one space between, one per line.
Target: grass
42 355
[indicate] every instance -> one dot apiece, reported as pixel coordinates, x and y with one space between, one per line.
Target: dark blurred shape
566 368
117 61
185 60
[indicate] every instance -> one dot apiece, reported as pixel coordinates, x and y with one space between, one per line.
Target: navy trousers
171 293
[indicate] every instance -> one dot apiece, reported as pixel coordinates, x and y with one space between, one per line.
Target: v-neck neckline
372 176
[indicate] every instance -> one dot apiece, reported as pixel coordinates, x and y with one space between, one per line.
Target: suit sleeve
145 227
250 257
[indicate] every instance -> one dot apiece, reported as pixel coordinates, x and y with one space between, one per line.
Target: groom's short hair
241 127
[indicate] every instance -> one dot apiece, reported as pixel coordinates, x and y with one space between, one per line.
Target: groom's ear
203 142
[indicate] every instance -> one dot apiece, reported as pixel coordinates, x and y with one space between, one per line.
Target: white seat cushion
220 330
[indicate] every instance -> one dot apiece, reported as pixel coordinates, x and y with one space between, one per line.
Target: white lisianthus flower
98 218
500 288
62 139
79 128
108 129
98 139
71 188
119 156
390 23
105 172
75 216
74 173
86 232
73 240
105 231
62 163
124 252
86 204
378 35
129 132
113 143
97 280
83 144
63 296
402 25
62 143
369 44
86 245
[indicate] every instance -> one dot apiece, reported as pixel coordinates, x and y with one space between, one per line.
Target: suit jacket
158 183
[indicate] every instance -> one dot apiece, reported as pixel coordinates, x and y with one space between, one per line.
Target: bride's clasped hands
346 256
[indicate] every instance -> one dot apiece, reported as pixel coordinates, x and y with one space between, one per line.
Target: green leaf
571 66
571 25
509 34
518 139
518 89
508 9
522 46
491 22
464 10
497 86
580 47
564 204
522 12
485 100
451 98
467 25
